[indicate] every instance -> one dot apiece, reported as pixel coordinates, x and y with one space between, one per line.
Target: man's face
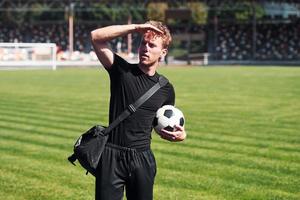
151 49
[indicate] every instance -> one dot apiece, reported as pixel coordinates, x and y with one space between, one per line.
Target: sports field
243 127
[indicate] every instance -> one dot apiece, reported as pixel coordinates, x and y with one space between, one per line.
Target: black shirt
127 84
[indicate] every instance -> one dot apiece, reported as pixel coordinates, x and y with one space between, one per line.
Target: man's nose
144 47
147 46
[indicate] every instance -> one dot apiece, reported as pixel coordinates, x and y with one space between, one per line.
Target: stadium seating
234 41
273 42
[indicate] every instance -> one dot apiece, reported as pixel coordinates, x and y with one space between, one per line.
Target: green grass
243 126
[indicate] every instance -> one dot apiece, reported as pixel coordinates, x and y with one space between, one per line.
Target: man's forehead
152 37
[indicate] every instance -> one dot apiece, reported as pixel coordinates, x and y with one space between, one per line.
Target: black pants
121 166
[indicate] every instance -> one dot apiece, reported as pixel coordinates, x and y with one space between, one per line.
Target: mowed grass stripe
36 152
37 165
34 131
177 193
251 122
67 114
35 174
284 147
44 111
214 140
38 140
176 169
253 174
236 142
246 177
50 119
168 178
58 119
190 159
41 123
268 151
43 126
242 132
277 125
258 133
39 161
58 105
66 127
44 102
238 159
42 145
221 137
209 152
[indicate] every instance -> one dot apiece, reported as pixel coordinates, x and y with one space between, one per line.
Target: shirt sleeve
119 65
171 95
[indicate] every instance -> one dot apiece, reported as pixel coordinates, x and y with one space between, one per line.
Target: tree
199 12
156 10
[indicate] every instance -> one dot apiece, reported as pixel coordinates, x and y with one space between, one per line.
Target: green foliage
116 14
242 123
199 12
156 11
259 11
246 13
103 12
241 11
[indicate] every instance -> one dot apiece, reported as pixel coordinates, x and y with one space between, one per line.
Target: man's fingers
148 27
180 128
157 30
153 28
167 135
170 138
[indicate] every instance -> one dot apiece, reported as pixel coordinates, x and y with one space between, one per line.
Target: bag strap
162 81
129 110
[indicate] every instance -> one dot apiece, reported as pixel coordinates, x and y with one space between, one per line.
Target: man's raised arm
101 36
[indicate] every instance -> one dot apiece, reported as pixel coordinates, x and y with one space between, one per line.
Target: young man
127 159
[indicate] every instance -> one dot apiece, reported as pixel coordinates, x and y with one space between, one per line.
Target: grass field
243 127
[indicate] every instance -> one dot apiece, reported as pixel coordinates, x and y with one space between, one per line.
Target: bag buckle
131 108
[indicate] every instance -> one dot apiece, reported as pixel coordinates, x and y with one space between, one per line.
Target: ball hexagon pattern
167 117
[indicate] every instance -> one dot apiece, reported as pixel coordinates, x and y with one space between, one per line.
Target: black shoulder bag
90 145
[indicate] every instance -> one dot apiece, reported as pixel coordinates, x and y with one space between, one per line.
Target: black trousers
121 167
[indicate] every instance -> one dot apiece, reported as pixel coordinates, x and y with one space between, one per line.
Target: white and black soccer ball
167 117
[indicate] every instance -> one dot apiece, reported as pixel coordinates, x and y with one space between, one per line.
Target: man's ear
164 52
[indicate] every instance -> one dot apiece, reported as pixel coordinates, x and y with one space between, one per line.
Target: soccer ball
167 117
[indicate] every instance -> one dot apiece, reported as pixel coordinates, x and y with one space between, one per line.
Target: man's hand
143 28
177 135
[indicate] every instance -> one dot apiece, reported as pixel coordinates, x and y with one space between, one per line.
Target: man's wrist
136 27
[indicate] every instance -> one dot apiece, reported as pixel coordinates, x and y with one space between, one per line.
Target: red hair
165 35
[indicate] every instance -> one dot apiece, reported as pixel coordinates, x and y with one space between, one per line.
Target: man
127 159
